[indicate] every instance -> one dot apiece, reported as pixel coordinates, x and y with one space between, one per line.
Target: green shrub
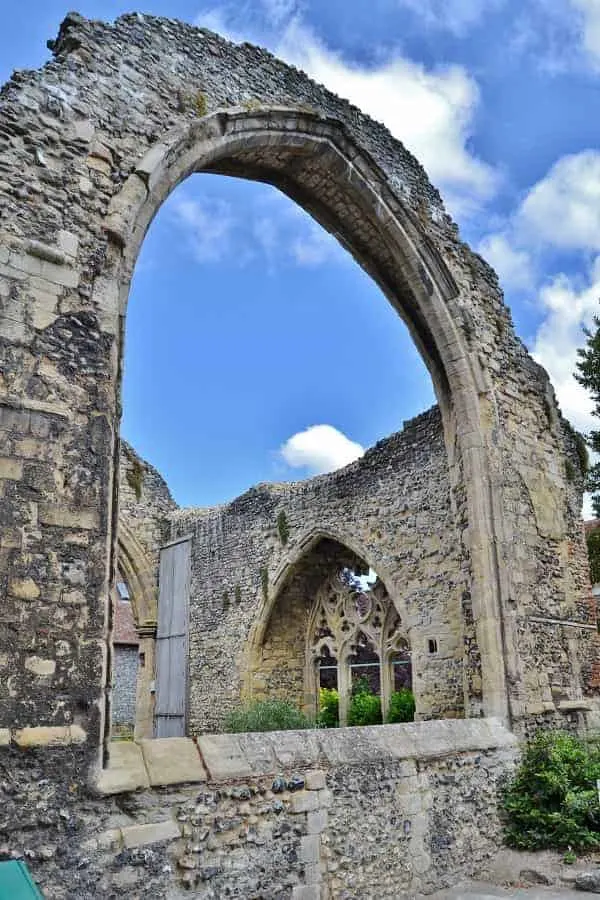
552 801
402 706
365 707
266 715
329 708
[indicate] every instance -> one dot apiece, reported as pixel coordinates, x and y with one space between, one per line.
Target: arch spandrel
113 152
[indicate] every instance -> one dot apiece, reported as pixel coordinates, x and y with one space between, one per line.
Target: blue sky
257 349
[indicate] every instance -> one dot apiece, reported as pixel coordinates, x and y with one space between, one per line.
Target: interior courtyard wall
249 603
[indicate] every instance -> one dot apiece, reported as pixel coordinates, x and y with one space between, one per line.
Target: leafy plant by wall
552 801
329 708
266 715
402 706
365 706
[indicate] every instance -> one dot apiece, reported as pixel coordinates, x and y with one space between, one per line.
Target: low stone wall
387 811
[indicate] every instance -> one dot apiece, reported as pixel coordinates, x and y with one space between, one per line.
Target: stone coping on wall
228 757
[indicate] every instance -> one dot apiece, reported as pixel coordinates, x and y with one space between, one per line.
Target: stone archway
110 132
314 161
139 573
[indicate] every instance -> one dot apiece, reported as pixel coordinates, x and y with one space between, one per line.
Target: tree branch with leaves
588 375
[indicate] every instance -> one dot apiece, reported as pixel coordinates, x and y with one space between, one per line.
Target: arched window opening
355 619
365 667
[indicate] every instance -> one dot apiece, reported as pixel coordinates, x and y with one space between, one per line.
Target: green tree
588 375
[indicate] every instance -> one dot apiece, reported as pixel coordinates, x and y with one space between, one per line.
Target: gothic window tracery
355 631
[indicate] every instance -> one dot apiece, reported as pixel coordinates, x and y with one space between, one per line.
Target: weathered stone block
172 761
304 801
24 589
316 821
223 757
154 833
126 770
11 468
42 736
313 874
325 799
64 517
306 892
39 666
310 849
316 780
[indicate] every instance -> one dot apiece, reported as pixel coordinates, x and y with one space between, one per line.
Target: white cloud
430 111
568 306
590 12
547 36
563 208
457 16
514 266
272 228
217 19
561 212
278 11
314 247
558 36
320 448
208 223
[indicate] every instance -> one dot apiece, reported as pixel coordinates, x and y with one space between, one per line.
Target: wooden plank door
172 640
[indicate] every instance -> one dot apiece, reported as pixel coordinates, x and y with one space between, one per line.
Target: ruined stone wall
393 508
363 813
90 146
145 503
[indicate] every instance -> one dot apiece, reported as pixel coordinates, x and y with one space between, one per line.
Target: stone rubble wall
124 684
357 814
393 508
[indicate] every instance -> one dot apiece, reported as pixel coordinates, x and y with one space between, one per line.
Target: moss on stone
135 477
283 528
201 104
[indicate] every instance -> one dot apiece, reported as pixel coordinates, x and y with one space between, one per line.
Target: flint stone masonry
125 666
406 809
